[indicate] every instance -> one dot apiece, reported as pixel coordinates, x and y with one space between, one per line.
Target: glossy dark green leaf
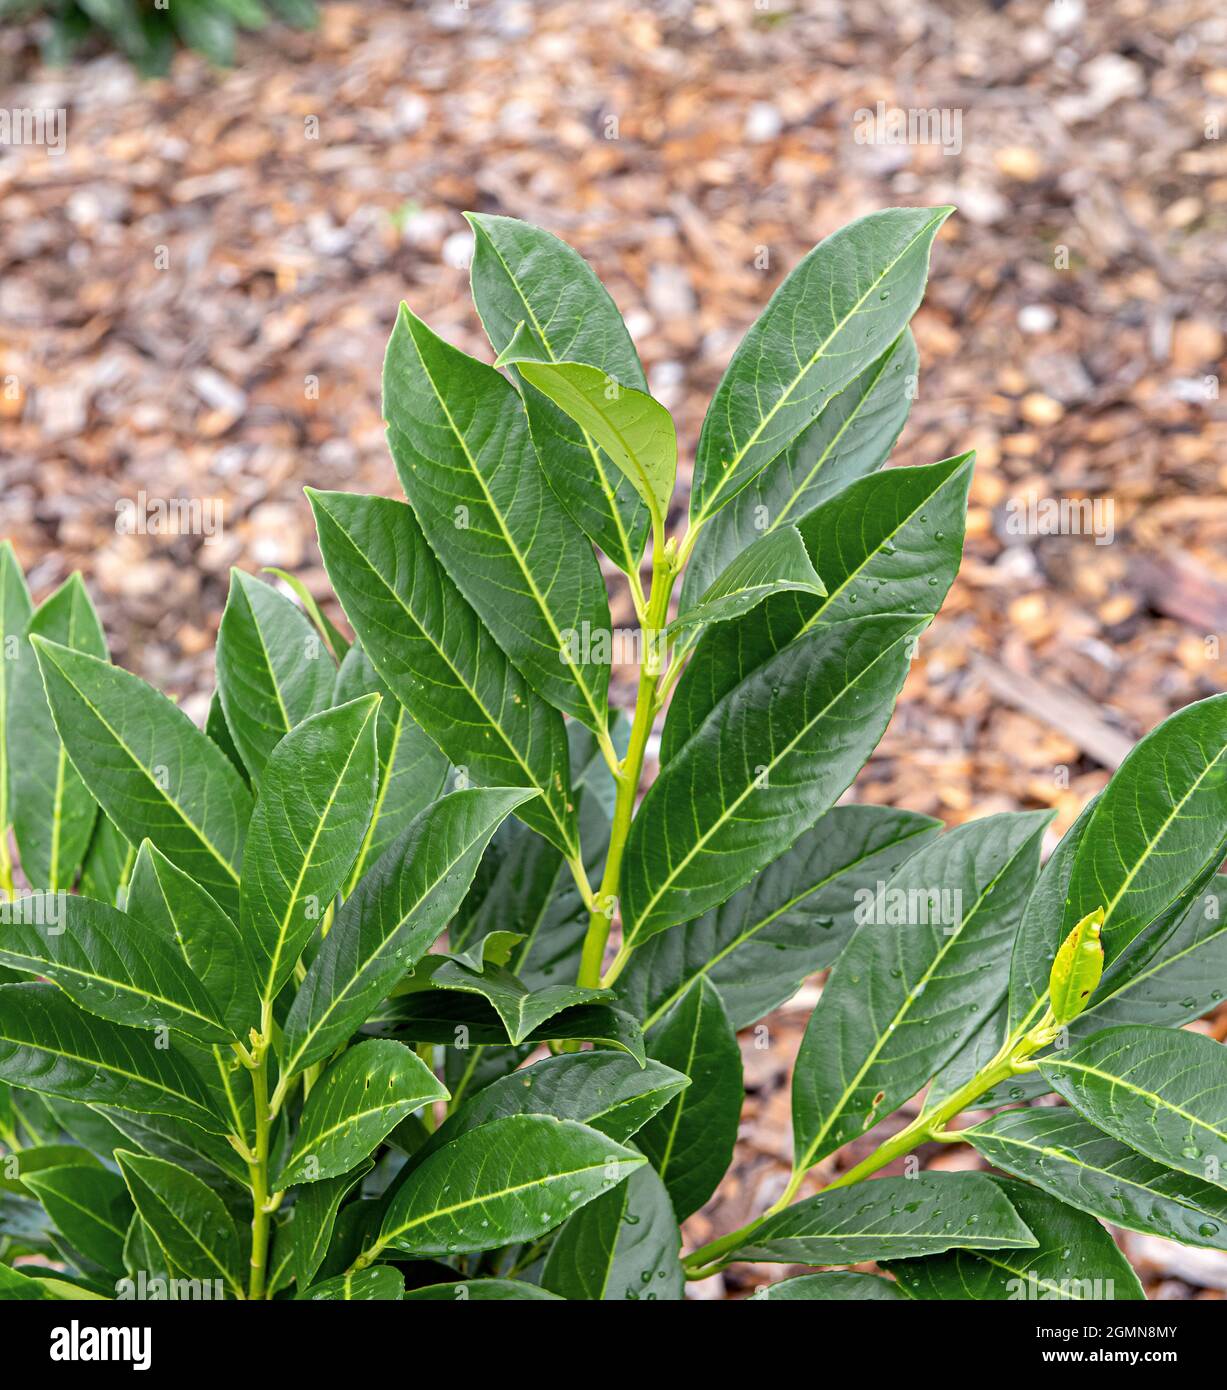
163 898
314 1216
624 1245
53 811
930 954
774 564
512 1179
108 963
839 1286
273 670
357 1102
191 1226
396 912
523 275
789 921
15 613
890 1218
852 437
314 806
1161 1091
889 543
411 771
91 1209
769 760
24 1162
834 315
1072 1258
439 660
691 1141
154 773
522 1010
208 1156
1070 1159
483 1290
460 441
379 1283
1160 823
50 1045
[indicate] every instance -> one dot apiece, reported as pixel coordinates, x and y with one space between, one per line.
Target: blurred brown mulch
194 300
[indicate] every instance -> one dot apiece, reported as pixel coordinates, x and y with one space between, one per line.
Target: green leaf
163 898
314 1217
770 759
485 1290
48 1044
108 863
522 1010
219 731
272 668
512 1179
1161 1091
834 315
192 1228
53 811
460 441
836 1287
207 1155
890 1218
411 771
929 955
789 921
440 661
15 612
357 1102
108 964
691 1141
1160 822
853 436
889 543
23 1163
1071 1257
775 564
634 430
17 1287
338 643
314 806
524 275
379 1283
624 1245
150 768
393 916
1058 1150
91 1210
1077 969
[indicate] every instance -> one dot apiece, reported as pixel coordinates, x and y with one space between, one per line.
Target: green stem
257 1172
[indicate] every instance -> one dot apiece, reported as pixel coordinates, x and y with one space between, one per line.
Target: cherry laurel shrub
237 1059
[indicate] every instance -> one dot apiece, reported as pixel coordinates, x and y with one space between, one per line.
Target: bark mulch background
195 296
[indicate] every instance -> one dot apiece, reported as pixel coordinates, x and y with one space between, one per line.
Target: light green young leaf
313 809
53 811
1161 1091
439 660
1077 969
770 759
1058 1150
512 1179
357 1102
929 956
853 436
190 1224
338 643
834 315
890 1218
691 1141
790 920
107 963
396 912
150 768
50 1045
273 670
460 442
624 1245
523 275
